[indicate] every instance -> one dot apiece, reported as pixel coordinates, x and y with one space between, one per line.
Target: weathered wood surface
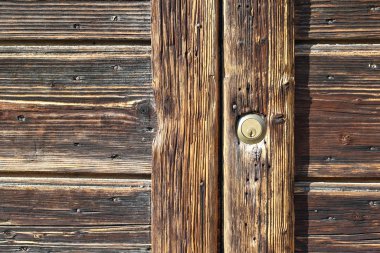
338 111
259 78
76 248
337 217
186 149
76 109
63 214
337 19
130 20
75 20
57 203
42 239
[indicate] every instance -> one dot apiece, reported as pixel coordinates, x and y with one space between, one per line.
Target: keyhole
251 128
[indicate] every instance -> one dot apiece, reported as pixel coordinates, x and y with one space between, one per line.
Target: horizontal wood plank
337 19
76 109
130 238
337 217
77 248
42 215
128 19
66 202
338 111
75 19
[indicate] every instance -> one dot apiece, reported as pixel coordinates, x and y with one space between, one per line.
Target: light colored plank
75 248
128 238
74 20
186 149
259 78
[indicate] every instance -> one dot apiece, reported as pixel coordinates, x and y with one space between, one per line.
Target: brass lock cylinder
251 129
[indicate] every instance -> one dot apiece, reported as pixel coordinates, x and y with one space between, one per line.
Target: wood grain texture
40 214
338 111
259 78
76 109
42 239
337 19
75 248
337 217
56 203
185 153
74 20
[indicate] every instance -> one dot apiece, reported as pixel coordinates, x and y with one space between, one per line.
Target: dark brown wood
186 149
76 248
40 214
338 111
76 109
337 217
127 238
75 20
53 202
259 78
337 19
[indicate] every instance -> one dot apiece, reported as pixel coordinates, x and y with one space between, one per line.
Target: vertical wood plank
259 78
185 152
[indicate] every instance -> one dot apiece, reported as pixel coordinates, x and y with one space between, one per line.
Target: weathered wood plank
337 19
120 20
76 248
337 217
76 109
42 215
66 202
259 78
93 238
186 150
74 19
368 243
338 111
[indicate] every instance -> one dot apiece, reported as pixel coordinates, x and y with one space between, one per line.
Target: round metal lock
251 129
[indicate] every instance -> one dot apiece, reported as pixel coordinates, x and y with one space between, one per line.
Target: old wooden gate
86 87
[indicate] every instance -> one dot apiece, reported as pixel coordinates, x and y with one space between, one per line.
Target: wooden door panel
186 151
258 79
77 122
338 111
337 130
76 109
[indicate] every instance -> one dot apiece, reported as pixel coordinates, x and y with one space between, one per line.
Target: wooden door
87 86
213 63
334 122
